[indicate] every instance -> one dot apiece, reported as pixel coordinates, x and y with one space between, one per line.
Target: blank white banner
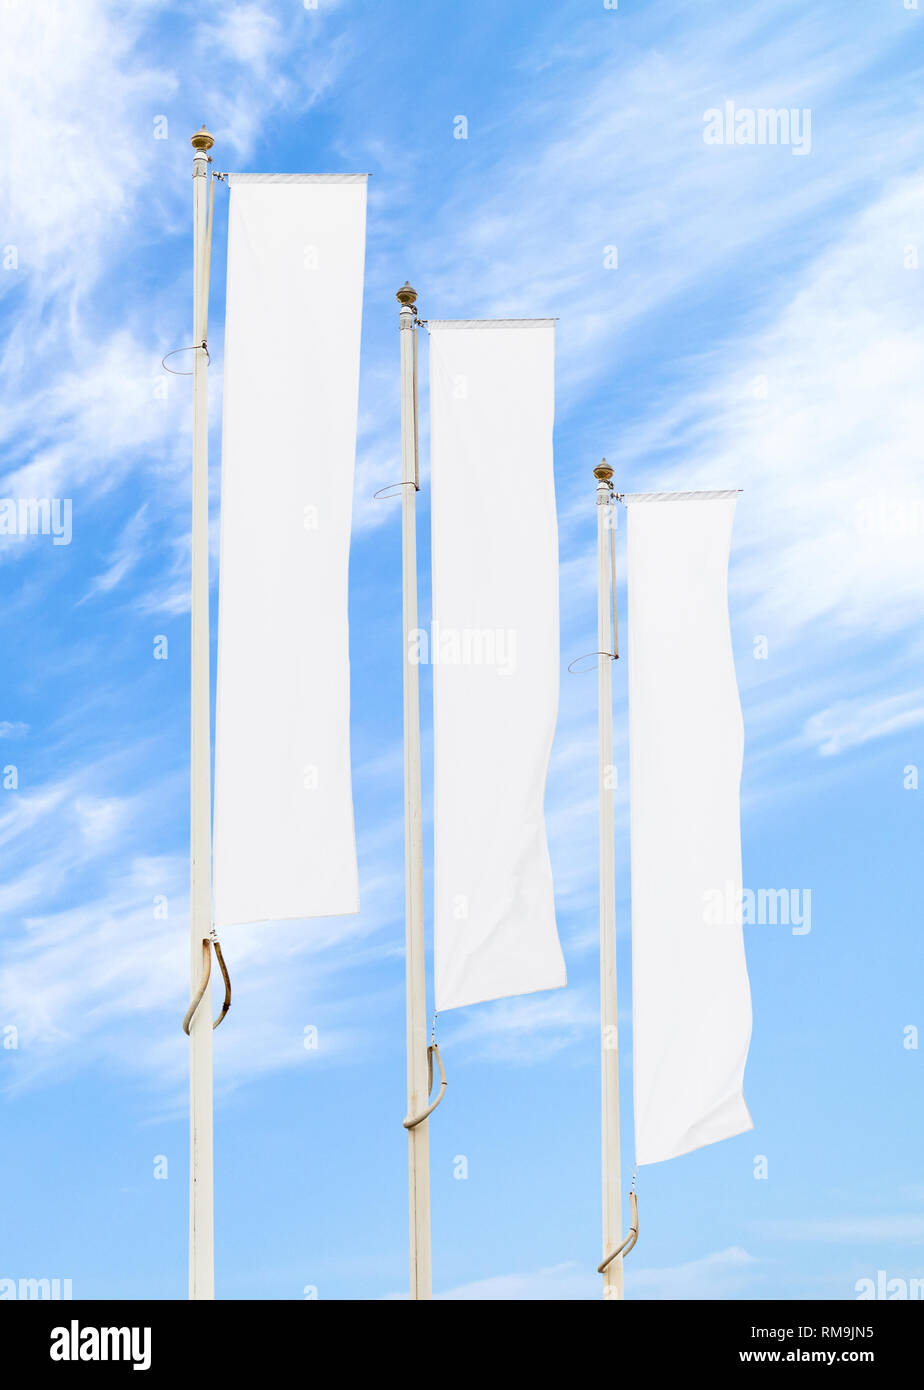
691 1000
284 843
495 650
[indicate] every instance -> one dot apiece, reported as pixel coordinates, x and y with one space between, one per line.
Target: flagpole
609 1026
201 1216
415 963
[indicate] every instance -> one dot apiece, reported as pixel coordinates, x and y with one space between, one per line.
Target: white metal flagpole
609 1028
201 1217
415 966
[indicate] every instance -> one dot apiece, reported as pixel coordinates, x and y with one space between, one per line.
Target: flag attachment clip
630 1239
207 943
433 1050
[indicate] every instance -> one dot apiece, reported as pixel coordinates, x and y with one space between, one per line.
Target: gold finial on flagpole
202 140
406 296
603 473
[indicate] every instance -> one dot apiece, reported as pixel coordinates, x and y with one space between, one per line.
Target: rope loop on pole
193 347
207 943
391 489
573 665
413 1121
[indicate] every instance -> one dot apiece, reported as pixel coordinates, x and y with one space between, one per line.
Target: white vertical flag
495 651
691 1000
284 842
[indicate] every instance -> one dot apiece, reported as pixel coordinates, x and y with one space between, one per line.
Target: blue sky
761 330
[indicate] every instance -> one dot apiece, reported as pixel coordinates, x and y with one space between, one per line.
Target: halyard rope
208 942
632 1237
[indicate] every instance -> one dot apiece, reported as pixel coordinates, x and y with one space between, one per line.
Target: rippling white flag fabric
691 1000
284 843
494 645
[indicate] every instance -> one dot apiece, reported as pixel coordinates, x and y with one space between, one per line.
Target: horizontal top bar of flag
297 178
487 323
680 496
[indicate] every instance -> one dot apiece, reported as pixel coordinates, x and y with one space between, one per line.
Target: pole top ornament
202 140
603 473
406 295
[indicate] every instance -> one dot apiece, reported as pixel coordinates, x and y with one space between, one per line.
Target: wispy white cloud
726 1274
95 425
246 53
850 723
126 554
526 1030
587 171
94 964
73 83
559 1283
903 1228
88 405
246 33
812 414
